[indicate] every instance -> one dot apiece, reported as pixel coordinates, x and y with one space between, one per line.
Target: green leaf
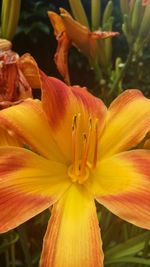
130 247
95 14
146 262
78 12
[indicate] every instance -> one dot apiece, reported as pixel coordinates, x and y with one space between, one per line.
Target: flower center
84 149
78 177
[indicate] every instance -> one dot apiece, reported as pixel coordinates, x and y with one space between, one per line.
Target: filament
75 142
95 138
86 148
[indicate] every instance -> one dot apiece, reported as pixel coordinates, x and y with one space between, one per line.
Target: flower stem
122 73
97 71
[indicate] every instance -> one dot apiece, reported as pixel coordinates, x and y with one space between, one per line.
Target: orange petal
61 103
57 23
127 123
61 56
28 185
30 124
80 35
122 184
73 236
30 70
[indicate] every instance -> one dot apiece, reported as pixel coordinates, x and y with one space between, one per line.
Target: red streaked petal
65 102
128 122
122 184
73 236
28 185
29 122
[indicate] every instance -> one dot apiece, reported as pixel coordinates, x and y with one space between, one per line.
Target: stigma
84 149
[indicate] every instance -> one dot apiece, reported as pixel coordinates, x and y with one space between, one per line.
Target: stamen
83 161
75 143
86 148
95 138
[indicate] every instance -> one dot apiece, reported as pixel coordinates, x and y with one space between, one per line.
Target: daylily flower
84 153
13 87
70 32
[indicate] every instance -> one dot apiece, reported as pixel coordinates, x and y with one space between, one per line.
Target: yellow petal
122 184
28 185
127 123
29 122
73 236
8 138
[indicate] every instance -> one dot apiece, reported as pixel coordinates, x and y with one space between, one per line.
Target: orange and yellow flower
84 153
70 32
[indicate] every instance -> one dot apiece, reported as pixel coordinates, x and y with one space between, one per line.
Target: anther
74 123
